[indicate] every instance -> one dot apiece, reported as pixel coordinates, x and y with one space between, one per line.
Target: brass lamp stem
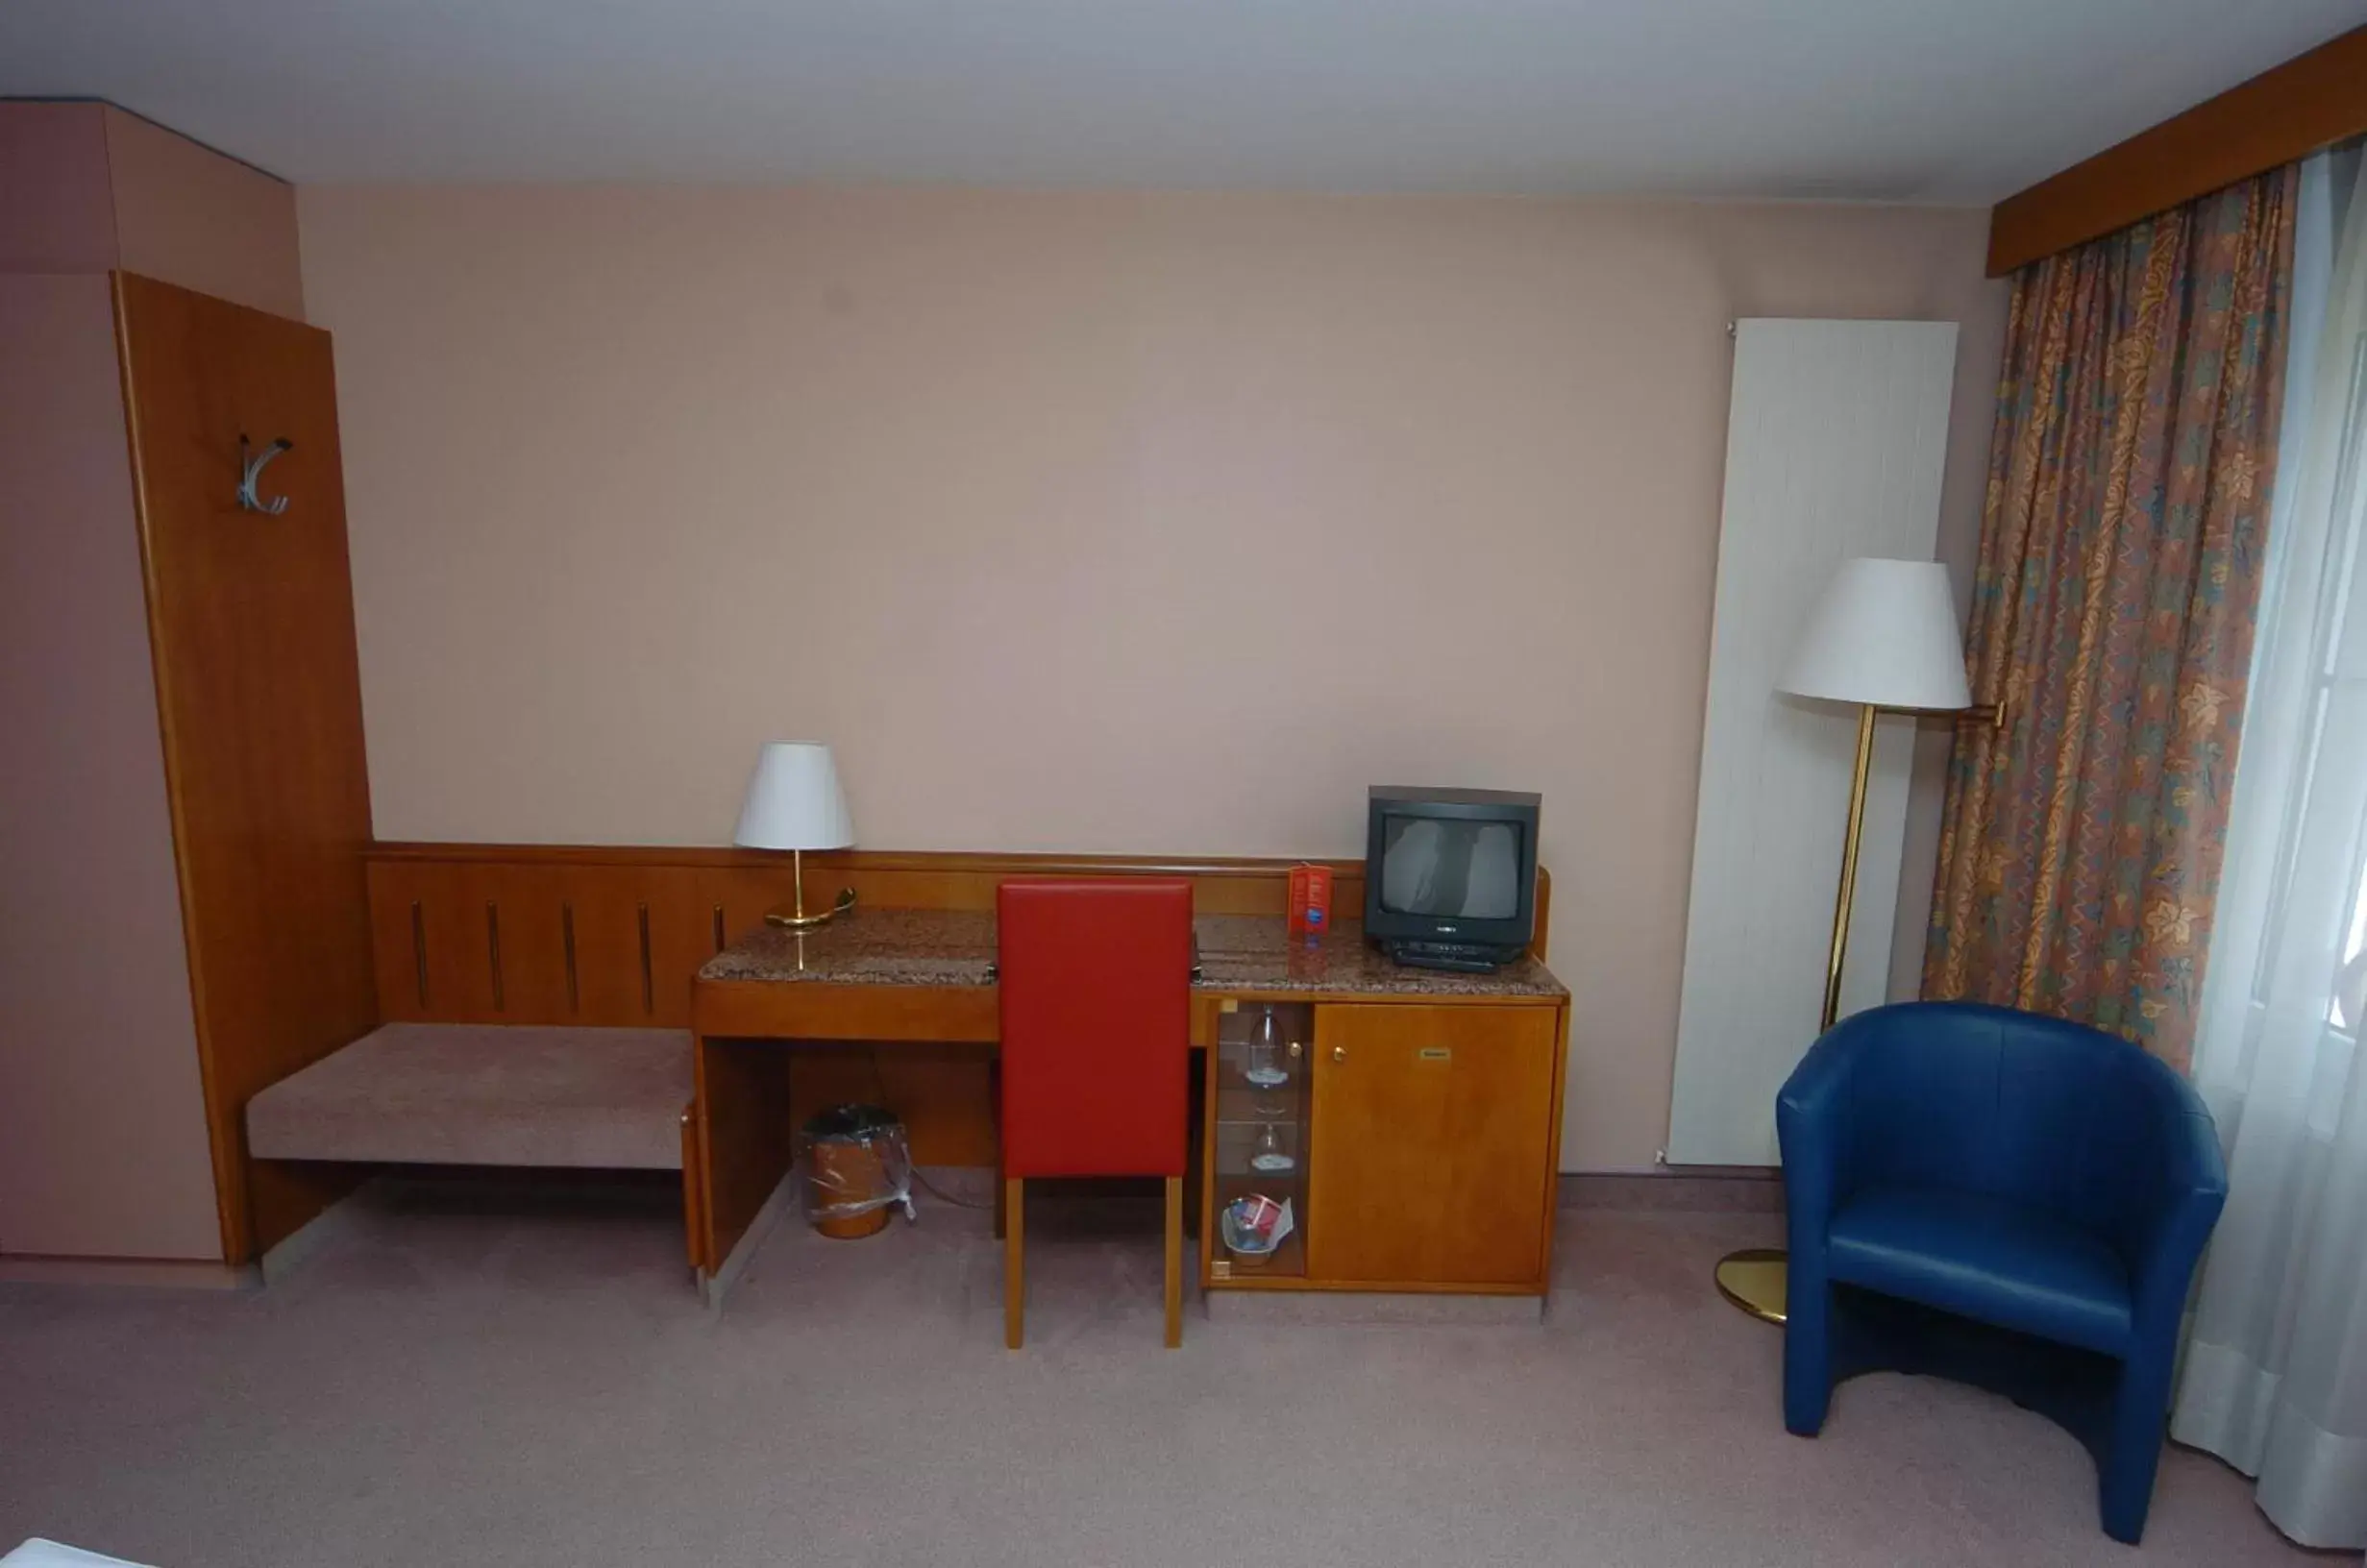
795 918
1758 1279
1849 867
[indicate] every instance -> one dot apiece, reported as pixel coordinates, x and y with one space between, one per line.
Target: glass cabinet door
1259 1145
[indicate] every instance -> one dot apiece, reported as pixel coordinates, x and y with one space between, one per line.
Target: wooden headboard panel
612 936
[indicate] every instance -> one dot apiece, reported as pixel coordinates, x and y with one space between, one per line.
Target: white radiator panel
1835 445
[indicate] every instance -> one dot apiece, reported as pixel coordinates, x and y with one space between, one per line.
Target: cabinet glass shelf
1259 1086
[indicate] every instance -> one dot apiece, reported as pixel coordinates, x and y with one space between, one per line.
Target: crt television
1450 875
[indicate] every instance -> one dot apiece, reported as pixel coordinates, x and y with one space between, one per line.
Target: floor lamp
1884 639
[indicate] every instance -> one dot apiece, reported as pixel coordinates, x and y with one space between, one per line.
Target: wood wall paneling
748 882
435 909
260 699
2311 101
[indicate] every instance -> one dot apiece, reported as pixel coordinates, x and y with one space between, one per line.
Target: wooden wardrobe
185 804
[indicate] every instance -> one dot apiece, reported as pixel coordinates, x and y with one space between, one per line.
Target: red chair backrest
1095 982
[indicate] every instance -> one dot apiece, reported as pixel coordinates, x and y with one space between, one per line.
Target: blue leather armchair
2004 1199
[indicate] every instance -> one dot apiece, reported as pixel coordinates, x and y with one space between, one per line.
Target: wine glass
1266 1070
1270 1155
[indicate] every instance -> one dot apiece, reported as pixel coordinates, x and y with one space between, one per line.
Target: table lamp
1885 639
794 803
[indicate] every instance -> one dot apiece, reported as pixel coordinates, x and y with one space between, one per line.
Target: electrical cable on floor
930 1187
879 1096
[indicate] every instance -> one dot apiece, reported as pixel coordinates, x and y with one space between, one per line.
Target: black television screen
1450 875
1458 869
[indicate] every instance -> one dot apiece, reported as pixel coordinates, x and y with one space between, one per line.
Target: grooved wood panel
1835 445
251 627
2311 101
613 936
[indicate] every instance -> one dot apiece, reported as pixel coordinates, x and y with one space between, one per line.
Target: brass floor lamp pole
1755 1279
1884 638
1849 867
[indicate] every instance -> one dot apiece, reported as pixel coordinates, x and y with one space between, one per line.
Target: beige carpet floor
498 1379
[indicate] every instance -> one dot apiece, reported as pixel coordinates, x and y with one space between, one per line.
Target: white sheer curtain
2275 1371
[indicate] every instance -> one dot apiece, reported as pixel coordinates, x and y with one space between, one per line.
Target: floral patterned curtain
2121 557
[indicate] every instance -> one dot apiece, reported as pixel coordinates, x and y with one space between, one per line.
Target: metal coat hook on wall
251 464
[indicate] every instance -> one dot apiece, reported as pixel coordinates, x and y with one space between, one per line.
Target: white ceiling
1886 100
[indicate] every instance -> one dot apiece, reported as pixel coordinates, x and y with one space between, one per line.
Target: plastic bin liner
857 1161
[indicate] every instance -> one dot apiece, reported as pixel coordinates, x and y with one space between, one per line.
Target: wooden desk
1436 1097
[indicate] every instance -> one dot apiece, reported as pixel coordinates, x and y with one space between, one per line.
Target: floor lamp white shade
1884 633
794 800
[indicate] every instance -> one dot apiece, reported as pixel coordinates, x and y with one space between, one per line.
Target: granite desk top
1237 953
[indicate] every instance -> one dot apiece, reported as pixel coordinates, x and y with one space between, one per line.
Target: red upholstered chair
1095 977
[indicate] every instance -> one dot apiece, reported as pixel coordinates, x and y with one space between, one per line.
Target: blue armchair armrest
2172 1223
1812 1131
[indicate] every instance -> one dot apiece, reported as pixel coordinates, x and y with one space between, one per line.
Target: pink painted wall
55 211
189 215
103 1146
85 187
1089 521
103 1139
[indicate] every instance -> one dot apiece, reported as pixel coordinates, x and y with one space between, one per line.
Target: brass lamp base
797 920
1754 1280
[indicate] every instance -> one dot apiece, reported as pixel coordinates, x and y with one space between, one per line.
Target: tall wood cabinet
184 816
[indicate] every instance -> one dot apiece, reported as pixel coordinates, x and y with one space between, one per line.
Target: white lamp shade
1885 633
794 800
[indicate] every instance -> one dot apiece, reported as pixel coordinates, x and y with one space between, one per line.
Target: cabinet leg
1014 1268
1174 1261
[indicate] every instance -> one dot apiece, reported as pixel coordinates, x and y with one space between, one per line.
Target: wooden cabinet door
1430 1144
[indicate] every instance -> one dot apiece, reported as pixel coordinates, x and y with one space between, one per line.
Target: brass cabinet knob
1339 1053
